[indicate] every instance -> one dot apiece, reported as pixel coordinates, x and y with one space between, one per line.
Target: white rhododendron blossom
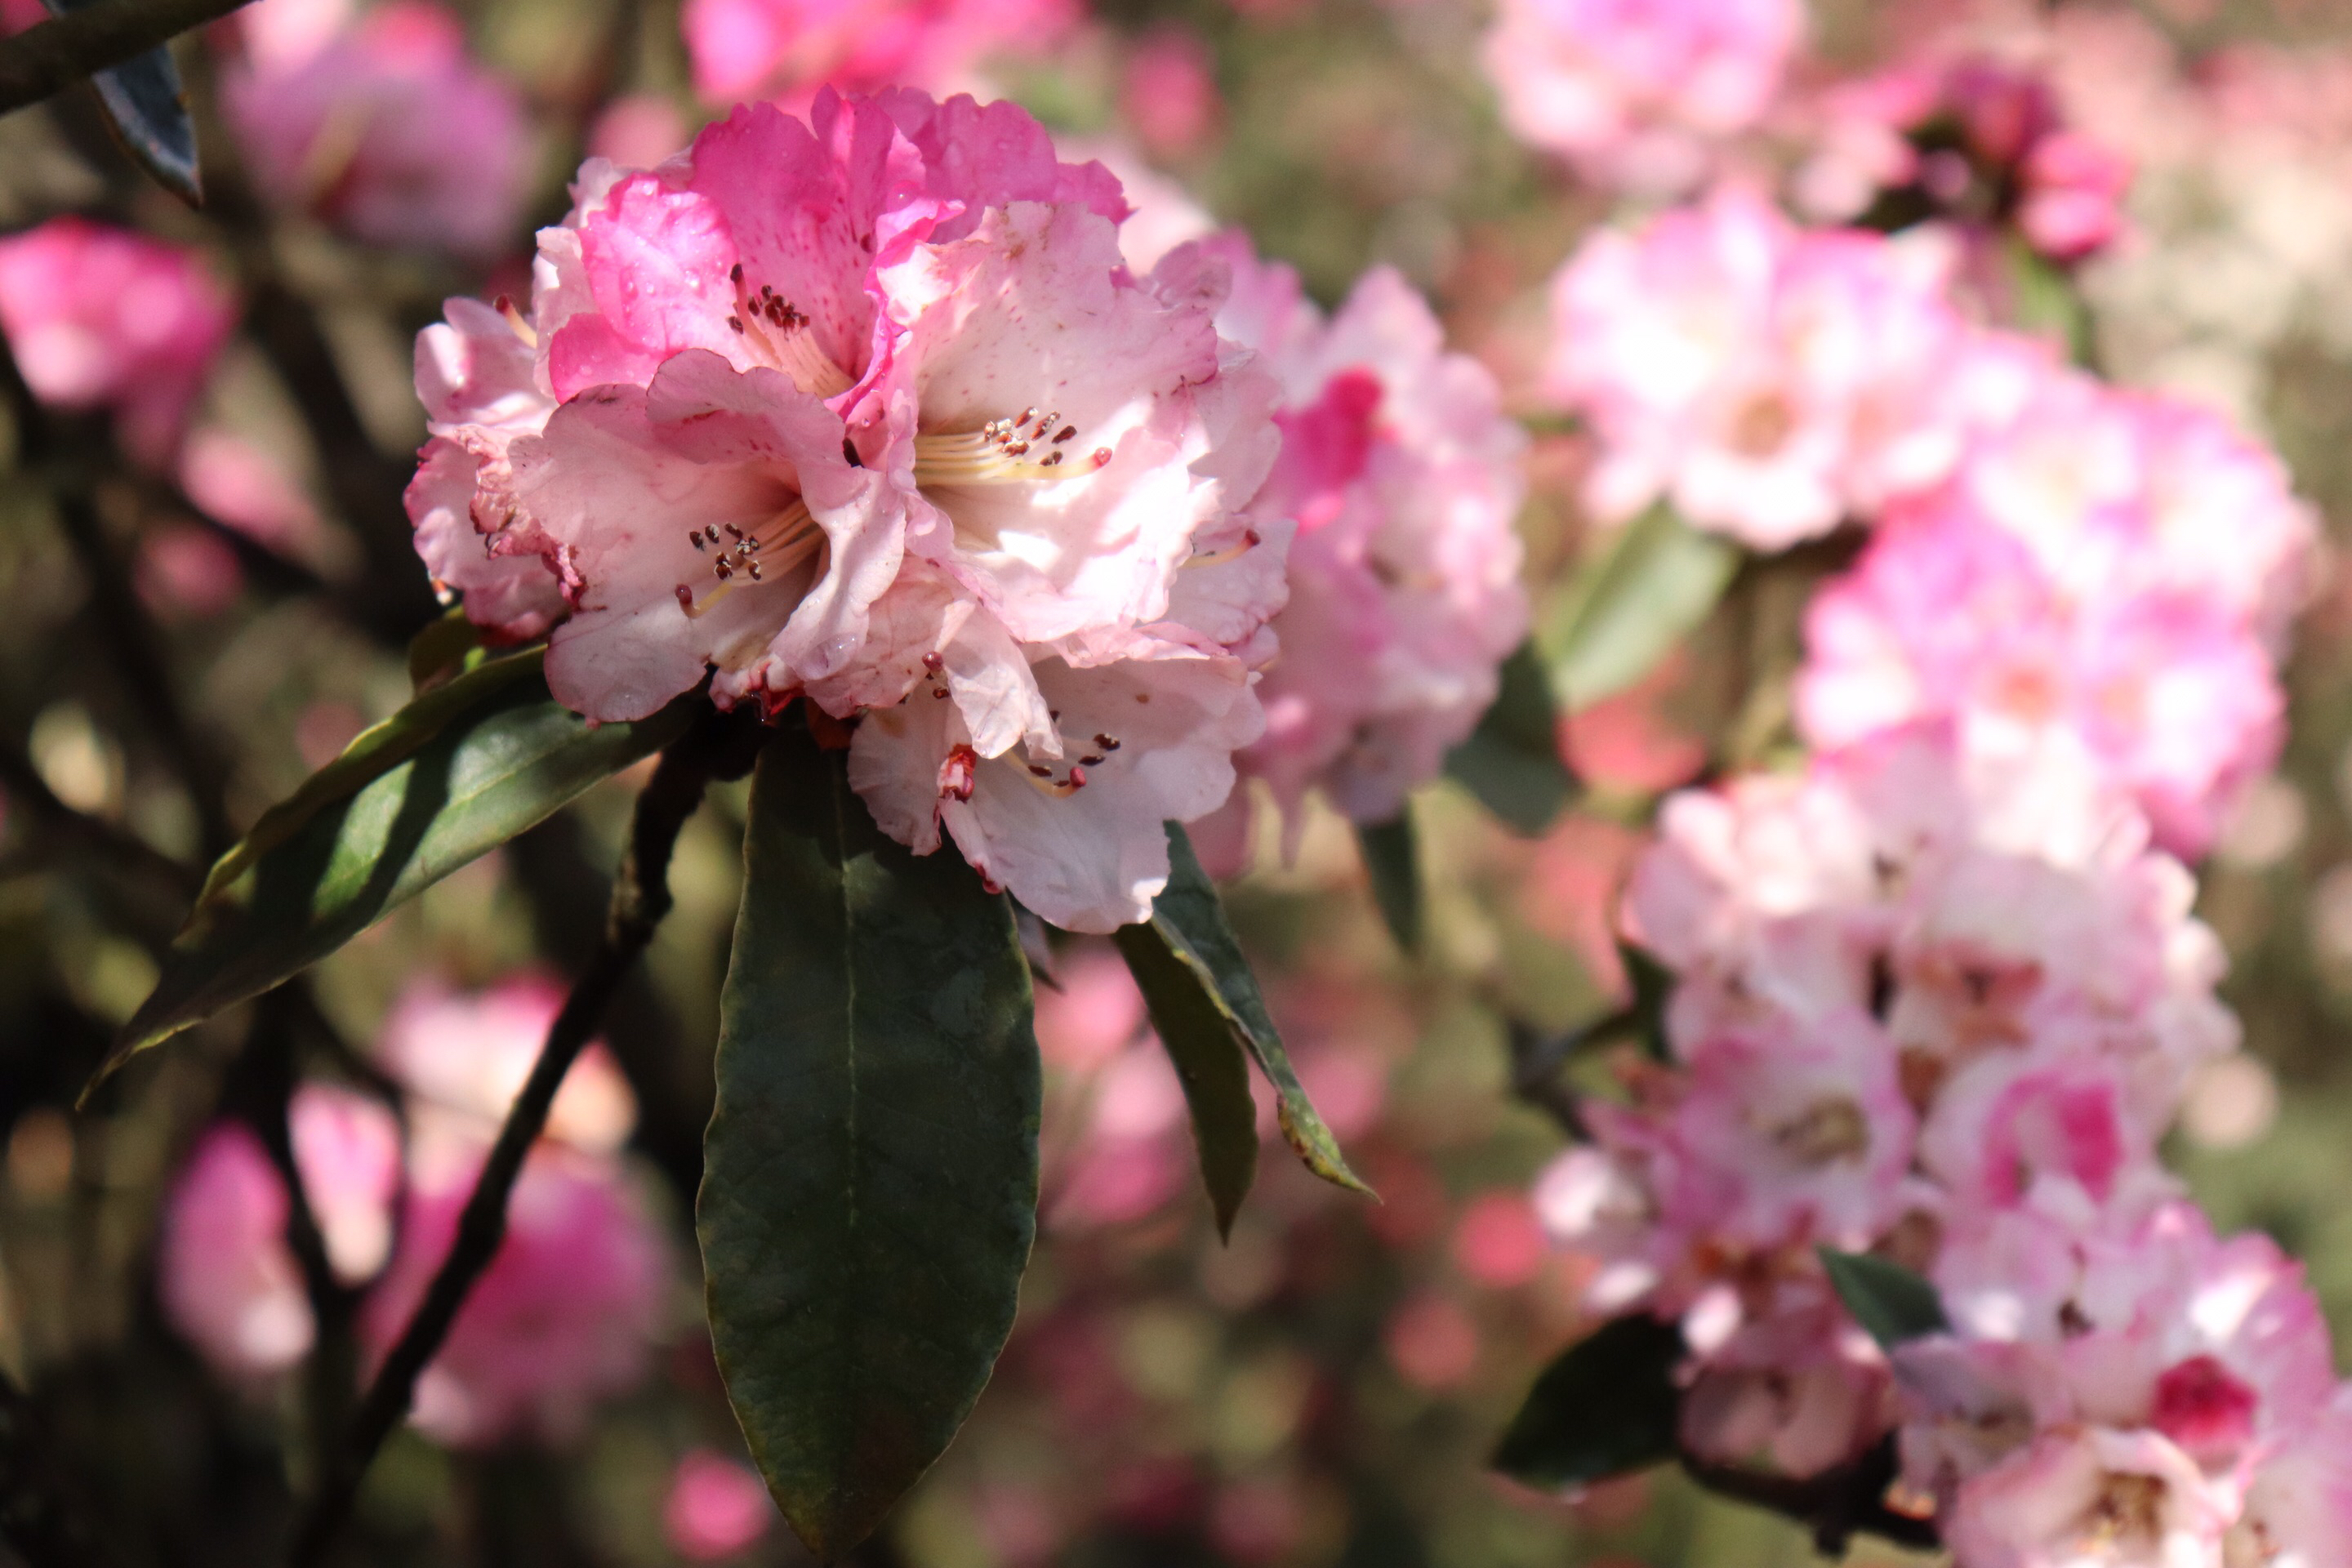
868 411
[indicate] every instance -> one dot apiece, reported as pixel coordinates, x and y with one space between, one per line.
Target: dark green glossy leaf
455 773
1889 1301
1192 920
147 109
870 1175
1606 1407
1511 760
1201 1039
1394 860
1658 581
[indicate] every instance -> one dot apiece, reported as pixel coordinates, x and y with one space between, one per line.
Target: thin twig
1837 1505
719 746
49 57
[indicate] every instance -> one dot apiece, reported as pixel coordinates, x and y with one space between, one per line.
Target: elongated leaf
1889 1301
148 110
1607 1406
456 773
1511 760
870 1175
1206 1048
1192 920
442 651
1393 861
1652 985
1657 581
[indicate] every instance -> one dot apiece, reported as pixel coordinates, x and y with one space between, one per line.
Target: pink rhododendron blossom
1403 479
870 410
1167 94
1969 138
566 1314
463 1057
1637 92
787 49
225 1272
2137 1388
716 1508
227 1279
386 127
104 317
1769 382
1977 907
1955 614
1917 994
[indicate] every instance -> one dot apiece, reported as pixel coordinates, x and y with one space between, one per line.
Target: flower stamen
1005 451
774 549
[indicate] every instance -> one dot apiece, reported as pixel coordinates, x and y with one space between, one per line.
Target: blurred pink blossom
226 1275
1971 137
227 1279
1432 1342
104 317
716 1508
1769 382
1168 93
1402 477
384 126
1091 1015
1639 93
464 1057
2034 634
238 485
185 572
787 49
637 130
567 1314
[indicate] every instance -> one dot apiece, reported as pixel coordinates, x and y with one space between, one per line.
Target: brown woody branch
720 746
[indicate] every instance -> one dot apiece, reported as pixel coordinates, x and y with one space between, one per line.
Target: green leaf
1511 760
456 772
2046 301
1606 1407
1889 1301
870 1175
1191 921
442 651
1394 860
1629 609
1652 985
147 109
1201 1039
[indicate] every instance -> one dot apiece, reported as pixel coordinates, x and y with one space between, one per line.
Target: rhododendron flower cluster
2048 560
1910 991
1971 138
1401 478
2136 1391
383 125
867 410
1769 381
102 318
570 1308
2112 568
787 49
1638 93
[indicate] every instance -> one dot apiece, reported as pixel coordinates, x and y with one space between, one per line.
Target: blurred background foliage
1322 1390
